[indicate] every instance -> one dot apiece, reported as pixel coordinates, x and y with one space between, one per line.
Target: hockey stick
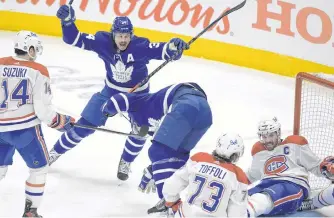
147 78
142 132
71 1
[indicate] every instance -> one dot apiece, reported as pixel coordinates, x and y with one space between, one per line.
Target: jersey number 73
216 189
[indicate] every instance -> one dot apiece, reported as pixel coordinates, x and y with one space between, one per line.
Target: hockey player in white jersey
25 102
216 187
282 168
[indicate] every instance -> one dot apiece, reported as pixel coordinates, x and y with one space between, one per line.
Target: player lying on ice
216 186
178 116
125 57
282 168
25 102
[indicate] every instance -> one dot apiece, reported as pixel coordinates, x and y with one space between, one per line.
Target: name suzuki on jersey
14 72
213 171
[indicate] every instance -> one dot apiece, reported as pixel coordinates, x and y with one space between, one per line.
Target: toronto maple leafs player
125 57
26 102
281 169
183 116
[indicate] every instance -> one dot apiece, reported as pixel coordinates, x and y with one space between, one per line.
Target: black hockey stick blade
148 77
71 1
141 133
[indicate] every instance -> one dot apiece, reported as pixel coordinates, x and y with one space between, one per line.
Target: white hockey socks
324 198
3 171
35 185
258 204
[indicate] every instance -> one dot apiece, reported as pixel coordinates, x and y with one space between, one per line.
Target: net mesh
317 121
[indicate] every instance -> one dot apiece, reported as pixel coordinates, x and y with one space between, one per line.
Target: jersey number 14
19 93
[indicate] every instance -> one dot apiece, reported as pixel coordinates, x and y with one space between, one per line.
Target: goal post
314 116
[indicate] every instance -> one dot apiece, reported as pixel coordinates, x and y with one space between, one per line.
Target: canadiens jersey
25 96
214 188
292 160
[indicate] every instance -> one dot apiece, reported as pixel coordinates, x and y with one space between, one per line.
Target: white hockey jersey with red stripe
214 188
25 94
292 160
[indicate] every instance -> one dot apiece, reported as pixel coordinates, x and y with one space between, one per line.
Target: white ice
83 182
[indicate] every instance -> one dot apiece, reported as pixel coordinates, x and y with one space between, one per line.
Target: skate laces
307 205
161 204
124 167
53 156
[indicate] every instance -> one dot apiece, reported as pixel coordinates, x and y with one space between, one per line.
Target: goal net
314 116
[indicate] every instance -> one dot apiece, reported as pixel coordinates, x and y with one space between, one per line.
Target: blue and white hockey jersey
124 69
147 109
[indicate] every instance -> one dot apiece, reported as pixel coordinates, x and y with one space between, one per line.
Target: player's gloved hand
147 182
176 45
172 207
62 122
66 14
327 167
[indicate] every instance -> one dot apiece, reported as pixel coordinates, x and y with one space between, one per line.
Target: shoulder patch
241 175
257 147
295 139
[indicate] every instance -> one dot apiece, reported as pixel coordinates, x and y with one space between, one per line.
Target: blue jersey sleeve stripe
164 52
76 39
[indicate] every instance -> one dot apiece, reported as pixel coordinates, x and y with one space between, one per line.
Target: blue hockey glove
179 44
173 207
175 45
66 14
62 122
147 182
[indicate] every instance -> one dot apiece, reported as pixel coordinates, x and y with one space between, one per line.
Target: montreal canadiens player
178 116
282 168
125 57
25 102
216 186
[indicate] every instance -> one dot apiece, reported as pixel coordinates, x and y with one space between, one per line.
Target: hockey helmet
24 40
230 146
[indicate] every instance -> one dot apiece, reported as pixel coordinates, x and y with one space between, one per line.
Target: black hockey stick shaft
142 133
147 78
70 2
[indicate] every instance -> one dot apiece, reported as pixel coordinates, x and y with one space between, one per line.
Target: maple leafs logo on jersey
121 74
275 165
154 124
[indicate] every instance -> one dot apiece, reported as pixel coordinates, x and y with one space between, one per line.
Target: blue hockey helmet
122 25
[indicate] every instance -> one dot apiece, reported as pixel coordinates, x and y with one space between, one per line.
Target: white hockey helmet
230 146
269 132
24 40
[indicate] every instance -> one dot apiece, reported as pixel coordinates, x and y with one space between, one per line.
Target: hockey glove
66 14
147 182
179 44
175 45
173 207
327 167
62 122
